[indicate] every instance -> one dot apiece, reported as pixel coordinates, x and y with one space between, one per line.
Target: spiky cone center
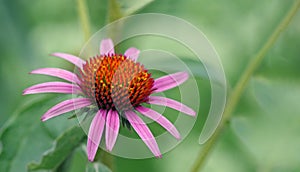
115 82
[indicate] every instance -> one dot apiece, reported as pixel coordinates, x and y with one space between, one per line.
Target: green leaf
79 163
63 146
24 138
129 7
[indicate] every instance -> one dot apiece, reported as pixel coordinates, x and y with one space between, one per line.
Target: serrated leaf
79 163
25 138
63 146
129 7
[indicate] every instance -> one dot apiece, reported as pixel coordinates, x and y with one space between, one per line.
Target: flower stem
241 85
107 159
84 18
114 13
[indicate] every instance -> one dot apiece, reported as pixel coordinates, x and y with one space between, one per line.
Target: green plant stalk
107 159
84 18
102 156
114 13
241 85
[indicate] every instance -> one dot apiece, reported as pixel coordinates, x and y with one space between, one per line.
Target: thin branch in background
114 11
241 85
84 18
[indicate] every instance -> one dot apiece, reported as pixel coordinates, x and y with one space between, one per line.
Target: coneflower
118 86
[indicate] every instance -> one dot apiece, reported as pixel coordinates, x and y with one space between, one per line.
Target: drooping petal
107 47
163 101
164 122
170 81
53 87
132 53
66 106
143 131
71 58
112 129
56 72
95 133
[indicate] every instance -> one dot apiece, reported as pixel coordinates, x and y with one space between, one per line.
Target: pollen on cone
115 82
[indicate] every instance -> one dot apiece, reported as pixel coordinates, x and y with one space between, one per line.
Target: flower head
117 86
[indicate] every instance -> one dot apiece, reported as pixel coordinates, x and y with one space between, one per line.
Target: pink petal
95 134
164 122
112 129
73 59
53 87
132 53
170 81
66 106
144 132
107 47
163 101
60 73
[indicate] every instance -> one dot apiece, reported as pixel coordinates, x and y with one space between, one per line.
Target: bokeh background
263 134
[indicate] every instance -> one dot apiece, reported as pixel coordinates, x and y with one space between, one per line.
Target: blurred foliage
63 147
263 134
25 139
129 7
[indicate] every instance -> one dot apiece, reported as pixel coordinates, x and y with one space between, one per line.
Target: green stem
241 85
84 18
114 13
102 156
107 159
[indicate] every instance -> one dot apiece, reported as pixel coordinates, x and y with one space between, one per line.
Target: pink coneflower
117 86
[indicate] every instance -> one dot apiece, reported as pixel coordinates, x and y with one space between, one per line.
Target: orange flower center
115 82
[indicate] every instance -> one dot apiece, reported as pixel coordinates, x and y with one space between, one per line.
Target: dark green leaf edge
28 104
62 148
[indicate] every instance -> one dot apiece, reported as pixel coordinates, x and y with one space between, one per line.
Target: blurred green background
263 134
